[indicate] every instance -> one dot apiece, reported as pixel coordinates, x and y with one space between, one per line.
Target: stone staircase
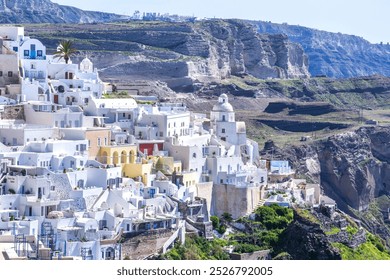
261 203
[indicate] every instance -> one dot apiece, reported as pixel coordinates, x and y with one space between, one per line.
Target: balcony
35 57
34 200
38 75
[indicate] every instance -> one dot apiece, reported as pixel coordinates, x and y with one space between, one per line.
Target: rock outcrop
183 53
45 11
334 54
305 240
353 168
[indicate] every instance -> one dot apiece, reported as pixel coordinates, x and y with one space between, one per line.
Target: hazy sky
368 19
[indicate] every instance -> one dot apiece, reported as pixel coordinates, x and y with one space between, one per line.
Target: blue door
33 53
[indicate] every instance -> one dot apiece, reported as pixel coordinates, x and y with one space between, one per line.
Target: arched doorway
110 253
103 158
115 158
124 157
131 157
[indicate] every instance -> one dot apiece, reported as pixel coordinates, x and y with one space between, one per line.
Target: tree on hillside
65 50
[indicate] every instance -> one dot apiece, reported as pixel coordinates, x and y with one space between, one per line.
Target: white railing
174 236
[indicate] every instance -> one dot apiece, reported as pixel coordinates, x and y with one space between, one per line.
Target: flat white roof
69 228
116 103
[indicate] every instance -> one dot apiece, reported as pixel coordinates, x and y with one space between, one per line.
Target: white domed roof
223 95
86 60
116 129
86 65
223 104
223 107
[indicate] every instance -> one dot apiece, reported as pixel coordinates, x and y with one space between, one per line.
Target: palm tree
65 50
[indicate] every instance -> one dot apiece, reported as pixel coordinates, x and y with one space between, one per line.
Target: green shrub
215 221
221 229
246 248
333 231
227 217
274 216
377 242
197 248
351 231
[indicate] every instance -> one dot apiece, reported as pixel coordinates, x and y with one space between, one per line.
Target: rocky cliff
241 50
353 167
305 240
182 53
44 11
334 54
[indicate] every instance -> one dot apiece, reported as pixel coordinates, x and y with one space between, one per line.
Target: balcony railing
35 57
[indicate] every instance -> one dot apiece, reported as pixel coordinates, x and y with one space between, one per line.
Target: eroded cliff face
335 54
236 48
353 168
44 11
183 53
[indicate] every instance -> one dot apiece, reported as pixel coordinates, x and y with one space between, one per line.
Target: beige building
96 136
9 71
237 201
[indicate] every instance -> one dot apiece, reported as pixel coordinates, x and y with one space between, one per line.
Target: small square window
39 53
26 52
1 73
10 73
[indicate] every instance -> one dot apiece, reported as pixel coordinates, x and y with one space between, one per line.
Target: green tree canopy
65 50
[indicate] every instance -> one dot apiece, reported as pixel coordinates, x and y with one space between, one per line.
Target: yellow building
141 169
122 154
168 165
